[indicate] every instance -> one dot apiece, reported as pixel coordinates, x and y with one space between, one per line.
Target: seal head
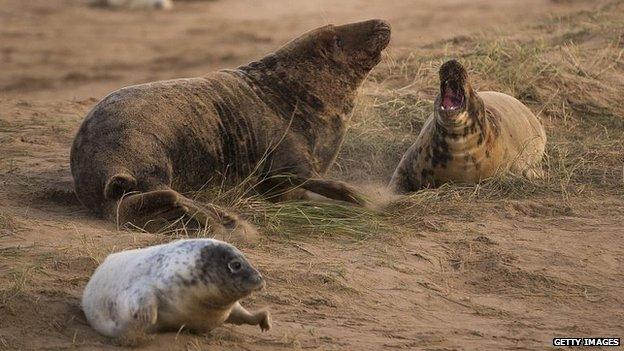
326 64
226 267
359 45
355 45
453 78
456 93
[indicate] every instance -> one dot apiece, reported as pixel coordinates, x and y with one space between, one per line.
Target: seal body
193 283
276 123
471 136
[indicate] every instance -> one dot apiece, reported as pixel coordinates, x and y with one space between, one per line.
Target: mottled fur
193 283
491 133
280 120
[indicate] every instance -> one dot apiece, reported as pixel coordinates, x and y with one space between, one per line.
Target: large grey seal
471 136
193 283
280 119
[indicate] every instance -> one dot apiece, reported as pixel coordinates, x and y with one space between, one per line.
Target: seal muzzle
380 35
453 89
362 42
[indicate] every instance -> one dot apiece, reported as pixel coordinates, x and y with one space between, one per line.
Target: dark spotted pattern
213 269
202 264
440 155
435 149
493 121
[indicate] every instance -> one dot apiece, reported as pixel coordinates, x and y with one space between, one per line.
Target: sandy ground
508 274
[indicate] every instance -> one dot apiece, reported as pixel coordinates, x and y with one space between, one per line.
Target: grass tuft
572 78
294 218
8 226
569 70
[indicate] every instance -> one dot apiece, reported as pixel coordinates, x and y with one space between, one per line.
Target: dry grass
572 78
295 218
19 277
299 218
8 226
19 280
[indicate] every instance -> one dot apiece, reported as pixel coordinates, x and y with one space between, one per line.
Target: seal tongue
451 100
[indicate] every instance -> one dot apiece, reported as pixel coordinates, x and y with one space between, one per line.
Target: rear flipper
400 182
313 189
166 209
334 190
239 315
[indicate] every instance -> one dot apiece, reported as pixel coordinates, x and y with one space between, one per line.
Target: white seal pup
195 284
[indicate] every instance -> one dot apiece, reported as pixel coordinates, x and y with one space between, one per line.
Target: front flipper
145 311
140 319
400 181
239 315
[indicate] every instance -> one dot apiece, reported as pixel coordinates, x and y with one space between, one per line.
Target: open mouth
452 97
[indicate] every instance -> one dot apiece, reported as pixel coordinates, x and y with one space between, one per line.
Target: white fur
122 296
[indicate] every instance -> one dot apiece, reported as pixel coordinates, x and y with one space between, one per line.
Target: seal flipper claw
239 315
225 225
534 173
118 185
265 320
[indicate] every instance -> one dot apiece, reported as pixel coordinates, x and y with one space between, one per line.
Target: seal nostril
382 26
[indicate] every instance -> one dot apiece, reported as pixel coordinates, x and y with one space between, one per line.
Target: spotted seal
471 136
276 123
195 283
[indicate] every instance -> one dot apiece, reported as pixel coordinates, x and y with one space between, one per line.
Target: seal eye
235 266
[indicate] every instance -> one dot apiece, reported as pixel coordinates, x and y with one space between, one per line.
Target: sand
508 274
